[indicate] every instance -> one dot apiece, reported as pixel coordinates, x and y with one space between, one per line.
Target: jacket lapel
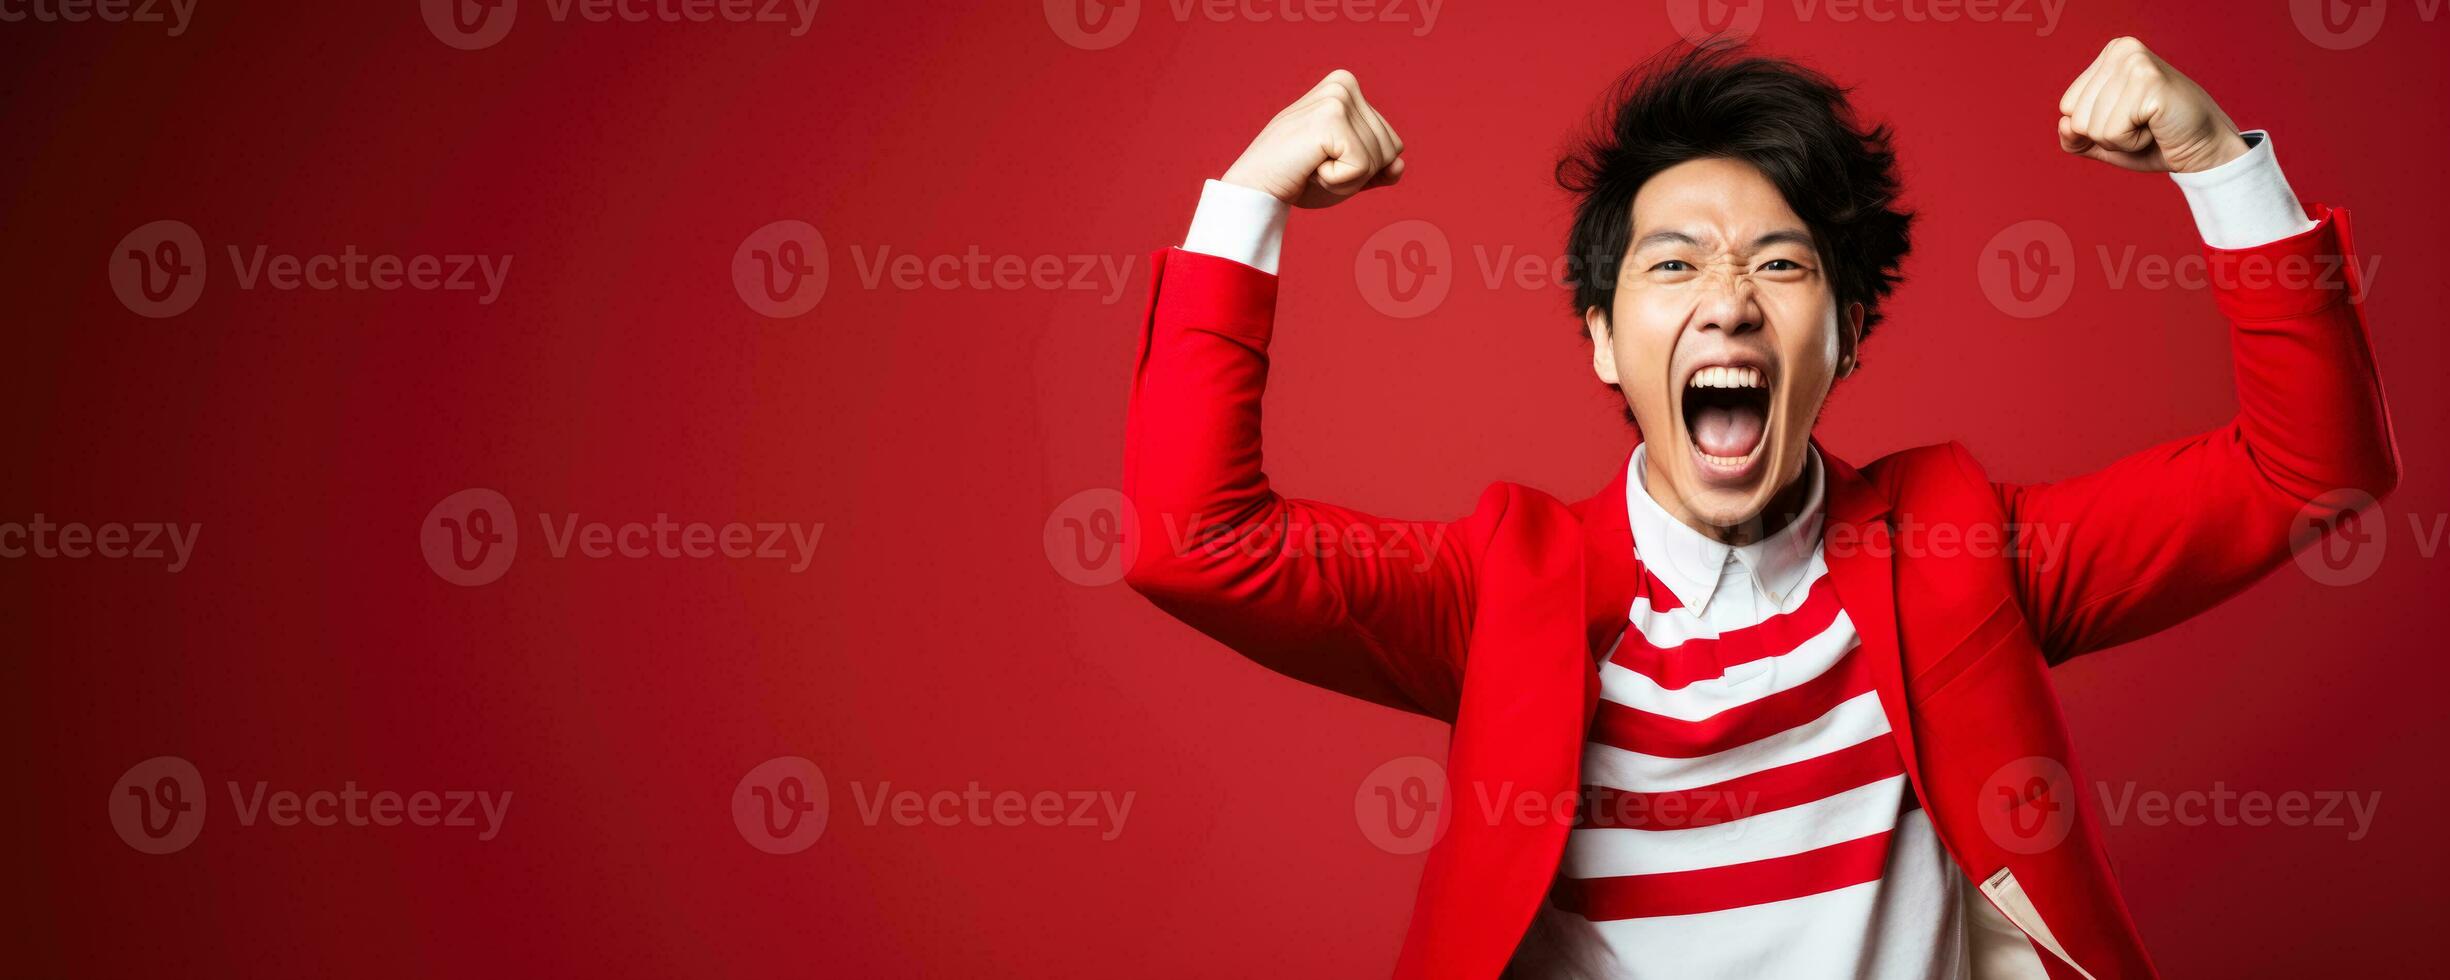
1516 751
1859 550
1611 572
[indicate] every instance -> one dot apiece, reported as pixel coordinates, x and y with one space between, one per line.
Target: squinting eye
1780 265
1671 265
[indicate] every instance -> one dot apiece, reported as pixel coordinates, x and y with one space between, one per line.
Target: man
1789 734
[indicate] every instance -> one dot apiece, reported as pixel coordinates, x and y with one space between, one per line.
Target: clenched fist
1327 146
2131 109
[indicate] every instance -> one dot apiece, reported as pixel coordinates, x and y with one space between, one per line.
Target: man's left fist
2131 109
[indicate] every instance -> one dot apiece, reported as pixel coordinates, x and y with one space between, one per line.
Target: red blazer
1494 622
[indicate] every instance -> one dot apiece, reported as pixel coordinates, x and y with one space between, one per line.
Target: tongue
1729 431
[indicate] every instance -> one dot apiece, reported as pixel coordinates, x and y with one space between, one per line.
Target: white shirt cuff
2244 202
1238 223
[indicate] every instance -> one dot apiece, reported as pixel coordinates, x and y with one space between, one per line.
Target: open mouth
1726 417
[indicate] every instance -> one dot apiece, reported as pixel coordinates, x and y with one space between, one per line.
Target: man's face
1725 337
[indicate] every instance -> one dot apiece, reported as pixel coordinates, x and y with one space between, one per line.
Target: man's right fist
1327 146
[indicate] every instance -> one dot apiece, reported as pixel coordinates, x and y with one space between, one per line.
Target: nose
1728 303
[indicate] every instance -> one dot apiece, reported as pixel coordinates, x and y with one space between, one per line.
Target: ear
1603 353
1850 339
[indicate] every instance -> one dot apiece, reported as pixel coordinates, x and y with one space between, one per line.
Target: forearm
1192 446
2310 411
2311 421
1325 594
2311 414
1192 457
2168 532
2172 530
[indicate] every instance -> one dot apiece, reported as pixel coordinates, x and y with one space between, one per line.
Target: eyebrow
1783 236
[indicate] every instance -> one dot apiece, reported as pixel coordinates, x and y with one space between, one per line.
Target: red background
932 643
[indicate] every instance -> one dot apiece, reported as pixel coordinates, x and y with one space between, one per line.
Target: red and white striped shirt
1745 812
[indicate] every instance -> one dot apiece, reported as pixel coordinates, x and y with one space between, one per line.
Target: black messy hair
1790 122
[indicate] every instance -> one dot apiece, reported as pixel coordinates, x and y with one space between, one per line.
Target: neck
1783 508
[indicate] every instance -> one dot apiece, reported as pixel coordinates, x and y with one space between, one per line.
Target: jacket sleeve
1373 608
2168 532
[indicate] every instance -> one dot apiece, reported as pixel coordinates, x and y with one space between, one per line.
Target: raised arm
2173 530
1374 608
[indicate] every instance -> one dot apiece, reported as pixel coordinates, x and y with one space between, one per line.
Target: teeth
1727 377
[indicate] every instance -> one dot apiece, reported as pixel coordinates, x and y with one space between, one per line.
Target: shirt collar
1692 563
